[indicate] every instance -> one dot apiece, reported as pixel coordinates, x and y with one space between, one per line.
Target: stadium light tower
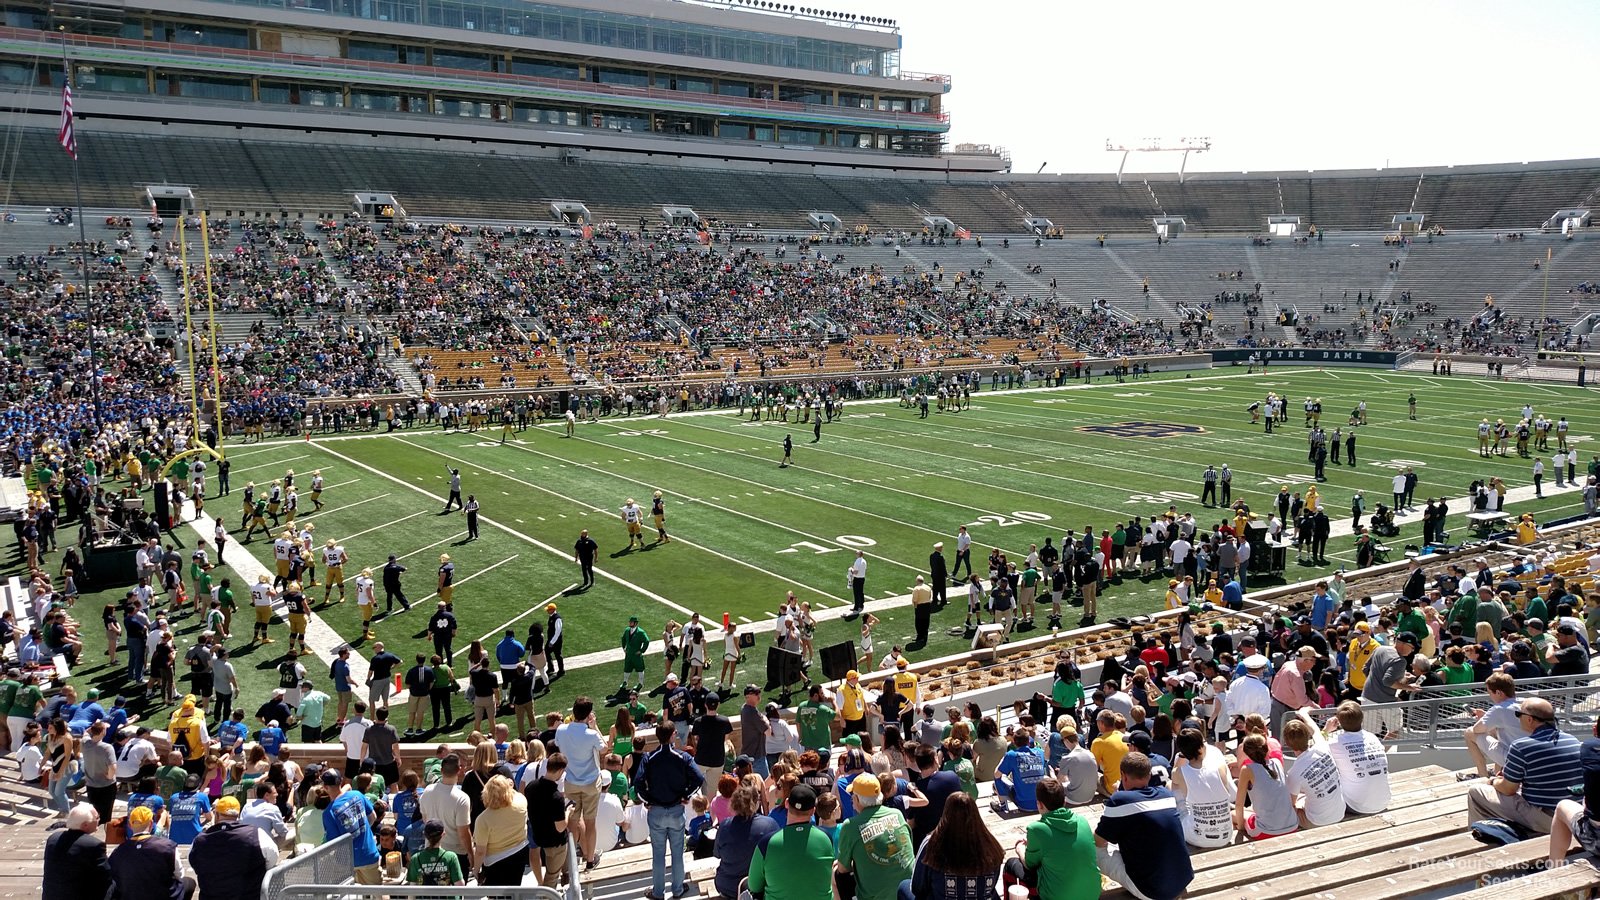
1185 145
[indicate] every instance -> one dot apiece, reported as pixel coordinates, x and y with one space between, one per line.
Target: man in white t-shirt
1313 779
352 736
1181 548
1490 736
137 753
1359 755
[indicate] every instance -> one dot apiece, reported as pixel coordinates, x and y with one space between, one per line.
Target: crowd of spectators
1259 728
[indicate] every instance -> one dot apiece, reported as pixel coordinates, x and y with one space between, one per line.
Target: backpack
181 732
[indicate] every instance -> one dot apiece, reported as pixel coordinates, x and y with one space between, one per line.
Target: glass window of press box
605 29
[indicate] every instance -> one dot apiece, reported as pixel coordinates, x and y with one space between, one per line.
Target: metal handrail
377 891
330 862
1524 685
1427 721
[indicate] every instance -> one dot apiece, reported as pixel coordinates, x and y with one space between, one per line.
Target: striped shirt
1545 763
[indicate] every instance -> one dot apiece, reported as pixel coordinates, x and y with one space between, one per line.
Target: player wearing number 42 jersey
333 559
633 517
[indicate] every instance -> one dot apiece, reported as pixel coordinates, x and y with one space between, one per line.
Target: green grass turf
1014 469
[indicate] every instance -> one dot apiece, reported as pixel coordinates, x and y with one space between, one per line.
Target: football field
1015 468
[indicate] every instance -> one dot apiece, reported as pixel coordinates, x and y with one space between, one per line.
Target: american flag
68 142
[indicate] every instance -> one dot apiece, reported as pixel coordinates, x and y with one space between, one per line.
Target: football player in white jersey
333 558
633 517
366 601
282 550
262 594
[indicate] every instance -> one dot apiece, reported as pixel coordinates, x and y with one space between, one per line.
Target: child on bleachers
698 843
619 779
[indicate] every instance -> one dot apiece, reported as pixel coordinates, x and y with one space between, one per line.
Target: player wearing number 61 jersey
333 560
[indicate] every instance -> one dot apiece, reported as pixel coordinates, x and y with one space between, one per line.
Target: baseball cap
803 798
550 607
751 689
852 674
1363 626
901 663
712 699
140 817
1407 637
1255 661
94 693
865 785
1536 623
331 777
228 806
1566 628
672 677
851 740
1308 651
433 828
744 759
1140 740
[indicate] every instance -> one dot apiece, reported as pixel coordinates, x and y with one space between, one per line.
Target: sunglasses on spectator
1535 718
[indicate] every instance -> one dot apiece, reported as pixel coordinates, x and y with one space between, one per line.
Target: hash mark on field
505 493
540 518
745 619
562 515
520 522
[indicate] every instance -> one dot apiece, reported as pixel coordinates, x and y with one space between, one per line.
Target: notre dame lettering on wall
1141 429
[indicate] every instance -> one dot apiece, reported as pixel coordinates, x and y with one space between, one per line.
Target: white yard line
515 533
320 636
328 509
430 546
603 511
276 462
488 639
483 571
384 525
